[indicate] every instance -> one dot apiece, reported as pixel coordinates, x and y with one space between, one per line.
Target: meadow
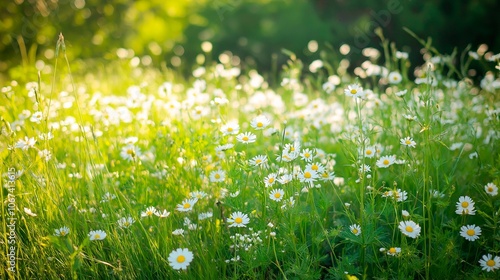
120 170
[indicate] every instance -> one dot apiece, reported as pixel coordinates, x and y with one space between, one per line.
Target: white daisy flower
355 229
180 258
238 219
490 263
409 228
470 232
63 231
277 195
97 235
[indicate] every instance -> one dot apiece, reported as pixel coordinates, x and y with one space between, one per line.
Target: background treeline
251 29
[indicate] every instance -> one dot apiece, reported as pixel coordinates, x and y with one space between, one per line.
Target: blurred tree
172 30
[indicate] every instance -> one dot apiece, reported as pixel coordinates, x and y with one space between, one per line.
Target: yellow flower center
307 175
490 189
325 174
369 152
386 162
130 152
353 91
314 167
229 129
271 180
277 195
409 229
408 142
471 232
490 263
238 220
259 124
307 155
355 230
258 161
217 176
392 250
245 138
97 236
465 204
181 259
186 205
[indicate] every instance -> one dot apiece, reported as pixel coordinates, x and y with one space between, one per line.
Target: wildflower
363 168
217 176
270 180
386 161
277 195
246 137
107 197
63 231
205 215
470 232
178 231
97 235
308 176
238 219
409 117
163 214
230 128
45 154
436 194
25 143
490 263
29 212
393 251
401 55
306 155
405 214
186 205
399 195
45 137
36 117
125 222
130 152
409 228
290 202
285 178
408 142
395 78
465 206
327 176
260 160
198 194
180 258
491 189
150 211
370 151
354 90
355 229
222 148
401 93
260 122
316 166
328 87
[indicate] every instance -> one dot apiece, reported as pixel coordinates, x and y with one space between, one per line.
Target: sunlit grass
347 175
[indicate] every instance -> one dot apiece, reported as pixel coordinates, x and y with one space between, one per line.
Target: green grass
87 184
